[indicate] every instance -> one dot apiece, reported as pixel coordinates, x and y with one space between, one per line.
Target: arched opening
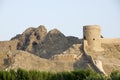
102 36
93 38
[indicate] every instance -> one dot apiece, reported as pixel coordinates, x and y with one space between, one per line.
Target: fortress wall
85 45
92 41
64 57
110 40
93 64
92 34
8 45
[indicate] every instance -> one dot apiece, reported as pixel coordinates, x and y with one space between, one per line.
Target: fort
92 51
93 39
64 57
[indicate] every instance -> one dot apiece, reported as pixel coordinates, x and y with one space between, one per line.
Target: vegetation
22 74
115 75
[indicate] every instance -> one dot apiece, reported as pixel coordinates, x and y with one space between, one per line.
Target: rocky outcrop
31 39
54 43
37 41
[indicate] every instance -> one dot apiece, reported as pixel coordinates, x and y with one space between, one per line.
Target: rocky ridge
43 44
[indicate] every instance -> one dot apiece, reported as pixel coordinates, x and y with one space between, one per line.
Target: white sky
68 16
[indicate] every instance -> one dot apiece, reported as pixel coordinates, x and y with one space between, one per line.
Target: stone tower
92 36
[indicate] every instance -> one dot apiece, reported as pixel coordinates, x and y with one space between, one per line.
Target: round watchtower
92 34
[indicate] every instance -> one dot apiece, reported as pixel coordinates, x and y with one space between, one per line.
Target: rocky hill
43 44
38 49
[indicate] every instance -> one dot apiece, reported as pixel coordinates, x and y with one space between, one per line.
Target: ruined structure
93 39
92 35
38 49
92 42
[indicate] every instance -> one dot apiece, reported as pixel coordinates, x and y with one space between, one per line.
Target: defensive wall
95 64
8 45
64 57
93 38
110 40
92 34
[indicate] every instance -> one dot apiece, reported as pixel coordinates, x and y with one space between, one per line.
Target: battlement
64 57
110 40
89 27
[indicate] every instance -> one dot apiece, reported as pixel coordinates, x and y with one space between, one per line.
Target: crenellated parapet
64 57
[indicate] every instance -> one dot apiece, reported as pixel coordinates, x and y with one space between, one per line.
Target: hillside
38 49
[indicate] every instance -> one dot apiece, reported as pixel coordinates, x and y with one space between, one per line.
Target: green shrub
96 77
12 75
22 74
115 75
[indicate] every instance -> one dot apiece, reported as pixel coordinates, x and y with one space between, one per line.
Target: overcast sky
68 16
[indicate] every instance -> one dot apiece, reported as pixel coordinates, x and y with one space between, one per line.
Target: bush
97 77
22 74
115 75
13 75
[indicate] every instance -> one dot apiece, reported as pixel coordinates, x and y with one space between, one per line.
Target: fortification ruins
53 51
92 35
93 38
92 41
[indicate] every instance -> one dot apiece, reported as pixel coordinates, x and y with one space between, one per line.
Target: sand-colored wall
92 34
8 45
64 57
96 65
110 40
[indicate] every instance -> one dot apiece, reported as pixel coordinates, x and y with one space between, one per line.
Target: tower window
101 36
84 37
93 38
